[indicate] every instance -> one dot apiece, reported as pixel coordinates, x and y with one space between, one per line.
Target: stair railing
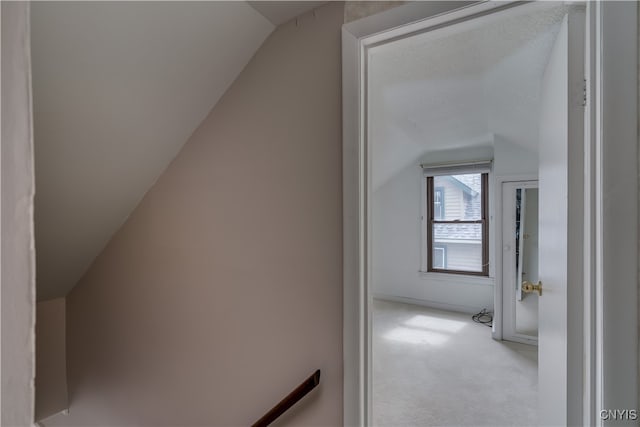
292 398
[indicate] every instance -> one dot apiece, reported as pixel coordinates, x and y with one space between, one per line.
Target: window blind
457 168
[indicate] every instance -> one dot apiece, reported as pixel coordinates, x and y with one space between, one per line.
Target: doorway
602 319
359 241
450 112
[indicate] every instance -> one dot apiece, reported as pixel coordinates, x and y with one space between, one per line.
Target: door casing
508 313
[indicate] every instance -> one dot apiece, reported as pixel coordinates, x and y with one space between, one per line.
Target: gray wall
223 290
355 10
18 285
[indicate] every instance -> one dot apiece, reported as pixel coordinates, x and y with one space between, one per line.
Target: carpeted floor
439 368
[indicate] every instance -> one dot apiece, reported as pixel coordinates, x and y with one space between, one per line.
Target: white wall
18 284
397 231
512 159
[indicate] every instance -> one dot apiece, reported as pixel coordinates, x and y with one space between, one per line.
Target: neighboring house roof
443 232
473 182
461 182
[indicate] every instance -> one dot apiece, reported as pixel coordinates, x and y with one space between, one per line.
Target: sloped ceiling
279 12
118 89
459 86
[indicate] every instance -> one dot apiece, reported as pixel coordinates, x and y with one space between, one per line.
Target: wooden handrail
291 399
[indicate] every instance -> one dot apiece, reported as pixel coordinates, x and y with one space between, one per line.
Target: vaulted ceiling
118 89
120 86
459 86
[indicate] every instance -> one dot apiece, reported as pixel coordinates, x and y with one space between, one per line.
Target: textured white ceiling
118 88
459 86
279 12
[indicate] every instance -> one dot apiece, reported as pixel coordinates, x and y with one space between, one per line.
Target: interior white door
560 223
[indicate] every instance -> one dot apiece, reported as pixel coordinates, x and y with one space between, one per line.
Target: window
440 256
438 203
457 223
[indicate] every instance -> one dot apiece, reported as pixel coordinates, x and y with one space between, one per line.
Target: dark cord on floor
485 317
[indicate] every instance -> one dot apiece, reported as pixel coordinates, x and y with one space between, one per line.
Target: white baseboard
431 304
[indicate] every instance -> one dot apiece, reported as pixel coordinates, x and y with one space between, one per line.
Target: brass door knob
529 287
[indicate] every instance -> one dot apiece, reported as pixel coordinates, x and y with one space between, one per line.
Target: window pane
457 197
463 244
439 257
438 203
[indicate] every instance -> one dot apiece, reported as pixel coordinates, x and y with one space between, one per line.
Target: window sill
458 278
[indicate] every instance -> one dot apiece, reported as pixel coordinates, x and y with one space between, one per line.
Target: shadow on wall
51 368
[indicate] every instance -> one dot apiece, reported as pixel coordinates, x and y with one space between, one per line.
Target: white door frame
498 293
610 303
508 318
611 199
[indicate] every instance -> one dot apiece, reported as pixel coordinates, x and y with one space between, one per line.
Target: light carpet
439 368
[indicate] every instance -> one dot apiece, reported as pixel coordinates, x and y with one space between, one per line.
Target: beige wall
18 286
145 292
223 290
51 369
355 10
